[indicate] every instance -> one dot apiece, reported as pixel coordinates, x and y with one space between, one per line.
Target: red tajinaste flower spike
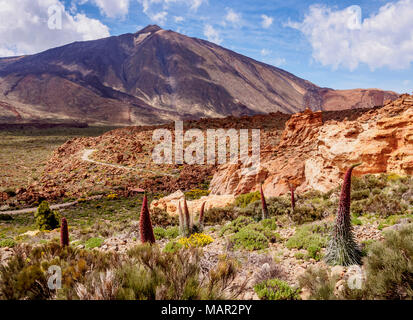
64 233
145 223
264 205
342 248
201 214
186 216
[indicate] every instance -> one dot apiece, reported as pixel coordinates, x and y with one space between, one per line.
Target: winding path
85 157
88 152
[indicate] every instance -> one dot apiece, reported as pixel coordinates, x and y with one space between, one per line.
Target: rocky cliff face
314 153
155 76
309 150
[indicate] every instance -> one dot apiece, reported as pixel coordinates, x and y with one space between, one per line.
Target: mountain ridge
155 76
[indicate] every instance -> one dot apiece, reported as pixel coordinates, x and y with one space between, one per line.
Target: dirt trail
88 152
30 210
85 157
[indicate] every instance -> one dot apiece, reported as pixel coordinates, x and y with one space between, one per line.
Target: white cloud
24 27
151 8
160 17
233 17
278 62
179 19
165 4
212 34
266 21
113 8
265 52
340 38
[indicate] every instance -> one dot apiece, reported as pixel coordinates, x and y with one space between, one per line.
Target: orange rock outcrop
313 154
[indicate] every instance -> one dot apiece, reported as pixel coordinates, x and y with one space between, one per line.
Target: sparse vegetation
276 289
311 237
238 230
46 218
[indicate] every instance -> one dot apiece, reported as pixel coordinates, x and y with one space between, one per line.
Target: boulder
170 203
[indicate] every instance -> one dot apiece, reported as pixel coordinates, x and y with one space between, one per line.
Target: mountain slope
154 76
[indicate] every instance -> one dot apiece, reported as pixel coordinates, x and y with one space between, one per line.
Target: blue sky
337 44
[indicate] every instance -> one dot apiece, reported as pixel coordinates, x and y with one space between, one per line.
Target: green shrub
318 283
7 243
173 246
196 194
356 221
306 213
24 276
236 225
311 237
93 243
380 195
46 219
215 216
388 272
172 232
155 275
244 200
5 217
389 266
160 233
267 232
249 239
276 289
279 206
270 224
162 219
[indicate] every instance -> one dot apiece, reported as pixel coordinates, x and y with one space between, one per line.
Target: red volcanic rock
313 154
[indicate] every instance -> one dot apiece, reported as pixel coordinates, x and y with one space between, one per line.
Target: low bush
215 216
318 283
160 233
10 243
389 266
249 239
276 289
196 240
152 274
311 237
161 218
168 233
236 225
196 194
93 243
25 275
388 272
172 247
46 219
5 217
244 200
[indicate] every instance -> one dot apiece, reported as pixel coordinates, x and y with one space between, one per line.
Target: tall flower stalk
292 198
64 233
264 205
145 223
201 215
342 248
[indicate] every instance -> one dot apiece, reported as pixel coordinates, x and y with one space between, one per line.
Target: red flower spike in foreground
264 205
292 198
187 216
64 233
145 223
201 215
342 248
